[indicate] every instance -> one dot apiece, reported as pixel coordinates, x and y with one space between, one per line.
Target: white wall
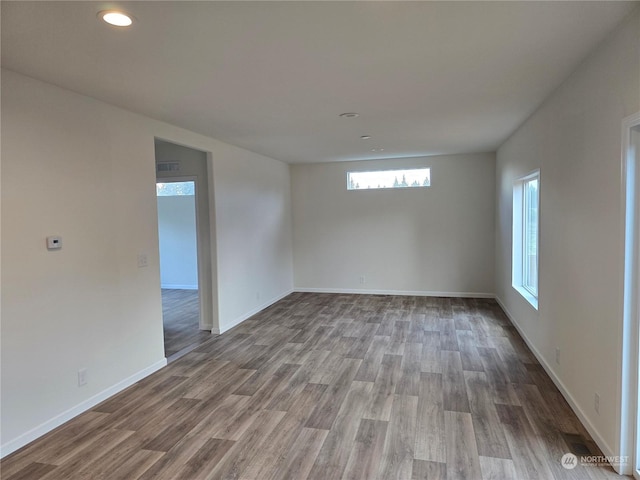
82 169
575 138
436 240
178 242
253 219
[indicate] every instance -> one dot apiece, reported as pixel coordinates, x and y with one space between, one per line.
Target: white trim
249 314
593 431
418 293
533 301
46 427
628 380
172 286
207 309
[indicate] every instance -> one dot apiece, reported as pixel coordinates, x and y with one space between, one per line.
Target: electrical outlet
82 377
558 356
363 280
596 403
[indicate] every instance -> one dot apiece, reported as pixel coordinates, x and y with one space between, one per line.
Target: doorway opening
185 246
177 234
630 381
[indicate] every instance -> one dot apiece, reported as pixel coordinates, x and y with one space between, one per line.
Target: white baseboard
593 431
396 292
46 427
171 286
250 314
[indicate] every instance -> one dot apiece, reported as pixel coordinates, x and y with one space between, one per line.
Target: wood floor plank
334 454
448 334
497 468
66 440
398 454
239 455
423 469
286 397
469 356
133 467
31 471
462 451
366 453
417 327
399 336
454 388
281 439
327 409
560 410
373 359
515 370
83 459
384 388
501 386
200 465
299 461
431 353
430 433
546 429
409 383
486 423
172 463
527 450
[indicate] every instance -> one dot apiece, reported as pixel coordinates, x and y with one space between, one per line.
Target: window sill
533 301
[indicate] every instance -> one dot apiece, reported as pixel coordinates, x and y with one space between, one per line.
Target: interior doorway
177 234
185 246
630 381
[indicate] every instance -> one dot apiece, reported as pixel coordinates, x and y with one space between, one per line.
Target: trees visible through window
173 189
406 178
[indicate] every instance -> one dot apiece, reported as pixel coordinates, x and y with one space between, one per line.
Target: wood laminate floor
322 386
180 318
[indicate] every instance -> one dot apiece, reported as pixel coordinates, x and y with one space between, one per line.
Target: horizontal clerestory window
379 179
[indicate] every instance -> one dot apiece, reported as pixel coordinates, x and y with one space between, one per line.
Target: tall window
526 202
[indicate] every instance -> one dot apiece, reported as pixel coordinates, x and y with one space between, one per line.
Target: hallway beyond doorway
180 316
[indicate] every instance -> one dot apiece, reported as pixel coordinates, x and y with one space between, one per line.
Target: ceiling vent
168 167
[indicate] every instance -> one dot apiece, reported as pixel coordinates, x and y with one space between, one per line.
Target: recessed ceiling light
350 115
116 18
365 137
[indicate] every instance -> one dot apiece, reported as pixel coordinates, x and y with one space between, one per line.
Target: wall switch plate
82 377
142 260
363 279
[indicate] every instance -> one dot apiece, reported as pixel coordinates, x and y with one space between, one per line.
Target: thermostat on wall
54 242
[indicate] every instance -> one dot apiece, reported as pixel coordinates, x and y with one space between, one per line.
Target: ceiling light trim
116 18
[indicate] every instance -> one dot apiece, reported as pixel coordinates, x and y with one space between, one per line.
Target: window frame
382 170
521 238
526 235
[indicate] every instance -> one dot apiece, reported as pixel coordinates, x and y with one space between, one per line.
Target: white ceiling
272 77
